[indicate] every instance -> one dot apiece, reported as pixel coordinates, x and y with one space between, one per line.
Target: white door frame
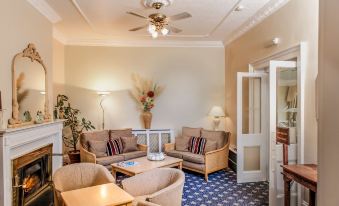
252 139
300 53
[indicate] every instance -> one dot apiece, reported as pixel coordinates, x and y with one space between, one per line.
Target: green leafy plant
63 110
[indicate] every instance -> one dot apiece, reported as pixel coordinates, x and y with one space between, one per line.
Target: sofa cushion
191 132
181 143
210 146
93 135
120 133
110 160
98 148
197 145
195 158
175 153
195 166
133 155
219 136
114 147
129 144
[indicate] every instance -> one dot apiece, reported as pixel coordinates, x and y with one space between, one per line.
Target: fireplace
32 177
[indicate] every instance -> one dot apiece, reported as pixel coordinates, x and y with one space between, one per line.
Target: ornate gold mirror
29 89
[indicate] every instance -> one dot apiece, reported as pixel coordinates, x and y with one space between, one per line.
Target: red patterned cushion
114 147
197 145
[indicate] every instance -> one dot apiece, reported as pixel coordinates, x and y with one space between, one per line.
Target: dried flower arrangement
145 91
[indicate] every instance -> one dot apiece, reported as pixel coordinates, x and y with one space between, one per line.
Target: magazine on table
127 164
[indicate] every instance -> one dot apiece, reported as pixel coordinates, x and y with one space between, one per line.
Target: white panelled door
252 132
276 190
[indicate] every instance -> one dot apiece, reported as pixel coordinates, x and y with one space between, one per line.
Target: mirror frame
31 53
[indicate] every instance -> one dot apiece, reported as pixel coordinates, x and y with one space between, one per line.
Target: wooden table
304 174
101 195
145 165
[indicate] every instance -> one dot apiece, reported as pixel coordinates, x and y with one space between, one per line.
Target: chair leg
206 177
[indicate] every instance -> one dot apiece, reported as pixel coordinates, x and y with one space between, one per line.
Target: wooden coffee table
145 165
106 194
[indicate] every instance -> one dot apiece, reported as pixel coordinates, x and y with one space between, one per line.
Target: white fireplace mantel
20 141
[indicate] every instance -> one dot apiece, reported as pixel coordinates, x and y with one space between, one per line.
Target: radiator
154 138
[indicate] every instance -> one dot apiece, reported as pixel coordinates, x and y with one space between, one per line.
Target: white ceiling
102 22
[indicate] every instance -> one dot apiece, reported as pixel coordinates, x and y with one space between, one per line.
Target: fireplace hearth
32 176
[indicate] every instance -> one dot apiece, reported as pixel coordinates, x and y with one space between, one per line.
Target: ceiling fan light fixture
151 28
154 34
157 4
164 31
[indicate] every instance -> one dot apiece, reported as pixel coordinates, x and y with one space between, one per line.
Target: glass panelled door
252 130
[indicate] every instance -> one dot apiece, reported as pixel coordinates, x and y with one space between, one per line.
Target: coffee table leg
114 173
180 166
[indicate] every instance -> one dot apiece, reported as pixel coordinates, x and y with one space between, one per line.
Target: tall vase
147 118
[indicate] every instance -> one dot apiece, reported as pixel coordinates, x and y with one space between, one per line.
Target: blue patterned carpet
222 189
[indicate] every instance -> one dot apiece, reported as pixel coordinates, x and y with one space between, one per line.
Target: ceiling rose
157 4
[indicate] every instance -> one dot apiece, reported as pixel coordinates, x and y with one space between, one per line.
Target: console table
304 174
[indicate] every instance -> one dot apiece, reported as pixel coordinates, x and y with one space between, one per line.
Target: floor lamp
103 94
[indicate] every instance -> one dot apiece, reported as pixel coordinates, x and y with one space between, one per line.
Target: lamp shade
217 111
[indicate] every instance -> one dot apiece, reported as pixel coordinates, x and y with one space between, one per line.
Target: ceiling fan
158 22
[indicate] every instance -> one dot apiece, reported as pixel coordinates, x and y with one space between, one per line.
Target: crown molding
46 10
59 36
256 19
141 43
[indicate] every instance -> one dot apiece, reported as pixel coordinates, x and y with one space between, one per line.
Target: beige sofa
76 176
216 151
93 148
162 186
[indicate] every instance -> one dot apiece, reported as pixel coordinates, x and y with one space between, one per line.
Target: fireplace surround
26 152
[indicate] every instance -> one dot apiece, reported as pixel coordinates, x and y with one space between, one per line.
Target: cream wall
328 153
21 24
297 21
193 79
58 69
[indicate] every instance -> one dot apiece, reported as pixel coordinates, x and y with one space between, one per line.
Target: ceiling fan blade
175 29
180 16
139 28
137 15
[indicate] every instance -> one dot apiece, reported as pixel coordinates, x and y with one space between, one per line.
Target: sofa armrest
142 147
87 156
169 146
218 158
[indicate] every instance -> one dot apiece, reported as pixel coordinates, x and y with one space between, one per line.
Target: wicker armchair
211 161
76 176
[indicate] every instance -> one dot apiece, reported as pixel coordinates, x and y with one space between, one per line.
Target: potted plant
63 110
145 92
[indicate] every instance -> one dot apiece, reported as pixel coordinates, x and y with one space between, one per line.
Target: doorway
281 105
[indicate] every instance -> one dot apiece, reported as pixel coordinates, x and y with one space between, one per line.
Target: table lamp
216 112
